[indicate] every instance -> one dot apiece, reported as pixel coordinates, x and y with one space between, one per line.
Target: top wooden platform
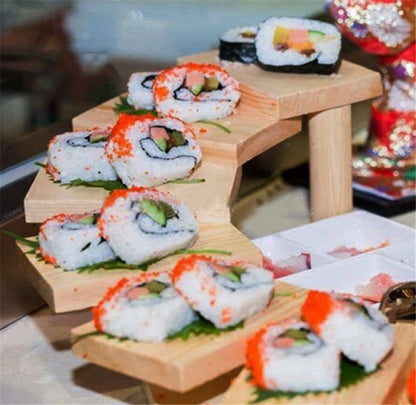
300 94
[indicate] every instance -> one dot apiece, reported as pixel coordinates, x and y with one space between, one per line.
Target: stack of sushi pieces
301 356
135 225
281 44
154 305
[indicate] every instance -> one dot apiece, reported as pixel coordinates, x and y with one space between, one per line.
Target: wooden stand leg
330 162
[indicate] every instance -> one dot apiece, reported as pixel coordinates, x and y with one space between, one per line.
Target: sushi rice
144 308
140 90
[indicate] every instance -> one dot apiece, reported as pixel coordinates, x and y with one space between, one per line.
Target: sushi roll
288 356
149 151
79 155
296 45
143 224
140 90
361 332
195 91
225 294
73 241
144 308
238 45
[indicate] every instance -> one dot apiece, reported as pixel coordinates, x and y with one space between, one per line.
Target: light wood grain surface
69 291
299 94
183 365
382 387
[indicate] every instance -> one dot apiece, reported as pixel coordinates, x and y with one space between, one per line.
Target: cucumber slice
150 296
196 89
95 138
296 334
315 35
301 342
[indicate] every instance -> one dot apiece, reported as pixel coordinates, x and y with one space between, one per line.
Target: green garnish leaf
115 264
155 287
34 244
124 107
216 124
202 327
109 185
42 165
351 373
283 294
187 181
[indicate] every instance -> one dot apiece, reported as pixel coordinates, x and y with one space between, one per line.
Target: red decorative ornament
381 27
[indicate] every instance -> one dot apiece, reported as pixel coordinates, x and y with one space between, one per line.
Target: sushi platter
181 298
380 388
183 365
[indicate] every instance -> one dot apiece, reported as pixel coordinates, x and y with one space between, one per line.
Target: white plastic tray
345 276
277 248
359 229
404 252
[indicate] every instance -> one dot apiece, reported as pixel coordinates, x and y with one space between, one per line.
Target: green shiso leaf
351 373
109 185
198 327
202 327
42 165
216 124
187 181
124 107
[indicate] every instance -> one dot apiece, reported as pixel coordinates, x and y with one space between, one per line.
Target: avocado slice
211 83
155 287
231 276
196 89
176 138
162 144
159 211
99 137
301 342
296 334
315 35
88 221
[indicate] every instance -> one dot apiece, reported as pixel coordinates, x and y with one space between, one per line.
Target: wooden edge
166 364
383 387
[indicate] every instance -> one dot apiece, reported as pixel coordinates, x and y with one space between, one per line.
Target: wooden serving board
70 291
383 387
183 365
300 94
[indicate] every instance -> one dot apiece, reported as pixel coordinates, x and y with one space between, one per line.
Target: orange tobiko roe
316 309
118 134
411 386
188 264
99 310
254 357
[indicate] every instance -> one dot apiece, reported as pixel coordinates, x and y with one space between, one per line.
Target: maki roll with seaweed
143 224
195 91
73 241
296 45
140 90
79 155
361 332
149 151
144 308
289 356
238 45
225 294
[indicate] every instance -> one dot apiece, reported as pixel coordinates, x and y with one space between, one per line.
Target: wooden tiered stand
270 111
